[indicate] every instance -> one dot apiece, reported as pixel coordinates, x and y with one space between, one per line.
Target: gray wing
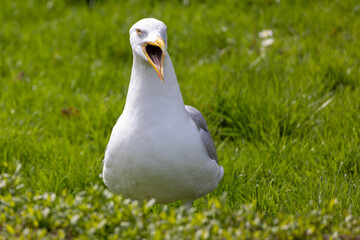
206 138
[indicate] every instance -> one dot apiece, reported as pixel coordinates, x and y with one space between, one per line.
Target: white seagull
159 148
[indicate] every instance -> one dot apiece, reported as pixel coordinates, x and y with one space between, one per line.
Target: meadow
283 107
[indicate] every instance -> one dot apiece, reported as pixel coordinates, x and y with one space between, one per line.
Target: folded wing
205 134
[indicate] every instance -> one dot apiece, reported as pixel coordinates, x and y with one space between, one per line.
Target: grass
99 214
285 118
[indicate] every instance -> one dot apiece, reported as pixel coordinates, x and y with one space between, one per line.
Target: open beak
155 54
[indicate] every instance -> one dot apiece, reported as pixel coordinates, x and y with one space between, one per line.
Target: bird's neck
147 94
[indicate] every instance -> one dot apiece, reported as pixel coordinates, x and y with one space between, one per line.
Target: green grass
99 214
285 120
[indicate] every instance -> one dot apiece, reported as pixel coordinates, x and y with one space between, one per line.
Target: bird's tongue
155 55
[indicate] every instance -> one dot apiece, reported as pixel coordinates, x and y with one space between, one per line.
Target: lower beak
156 56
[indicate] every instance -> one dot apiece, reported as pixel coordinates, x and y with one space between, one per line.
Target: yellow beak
156 56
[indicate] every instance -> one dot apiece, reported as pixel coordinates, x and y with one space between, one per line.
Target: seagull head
148 40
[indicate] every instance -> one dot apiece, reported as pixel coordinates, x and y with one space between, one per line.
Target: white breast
159 161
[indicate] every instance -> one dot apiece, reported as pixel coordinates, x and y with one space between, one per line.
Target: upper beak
156 56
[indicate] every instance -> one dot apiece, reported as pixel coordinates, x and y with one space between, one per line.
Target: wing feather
205 134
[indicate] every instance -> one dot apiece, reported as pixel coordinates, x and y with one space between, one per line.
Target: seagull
159 148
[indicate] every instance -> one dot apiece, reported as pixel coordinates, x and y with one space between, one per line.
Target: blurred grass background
284 118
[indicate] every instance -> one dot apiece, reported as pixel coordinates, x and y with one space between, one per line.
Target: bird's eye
138 31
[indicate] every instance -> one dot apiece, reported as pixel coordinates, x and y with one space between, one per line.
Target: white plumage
158 148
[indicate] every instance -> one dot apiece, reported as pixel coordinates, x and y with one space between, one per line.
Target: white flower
265 33
267 42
